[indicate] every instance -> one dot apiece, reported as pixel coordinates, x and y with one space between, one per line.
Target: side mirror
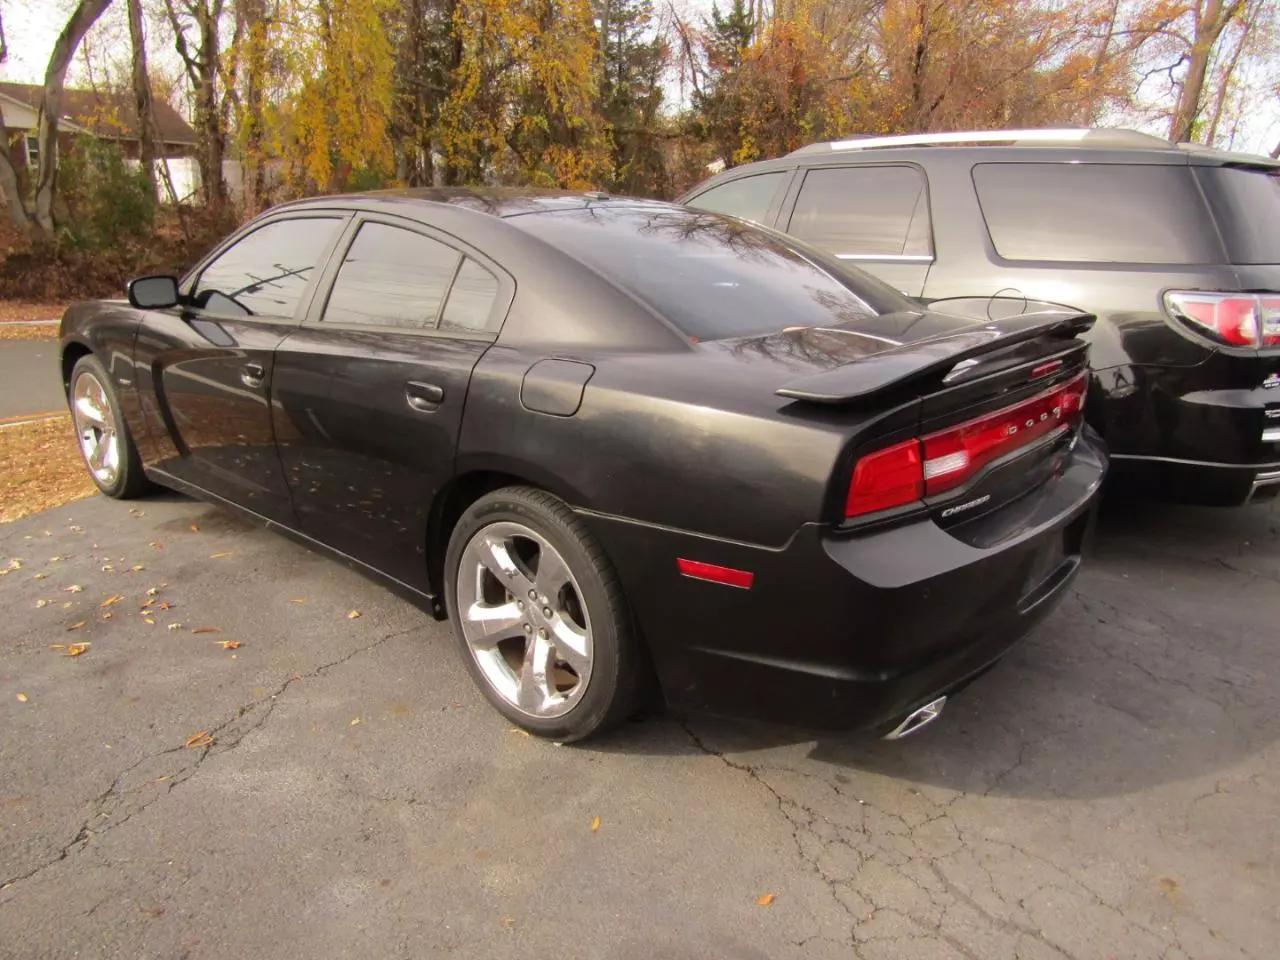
153 293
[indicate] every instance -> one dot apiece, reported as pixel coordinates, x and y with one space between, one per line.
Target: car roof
500 202
1096 145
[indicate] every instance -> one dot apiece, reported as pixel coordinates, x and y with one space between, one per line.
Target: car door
204 367
874 216
368 392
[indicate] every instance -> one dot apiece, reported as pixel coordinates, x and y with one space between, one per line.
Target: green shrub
105 202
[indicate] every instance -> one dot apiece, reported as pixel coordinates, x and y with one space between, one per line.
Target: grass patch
40 467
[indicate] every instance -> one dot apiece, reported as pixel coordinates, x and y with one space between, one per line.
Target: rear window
1095 213
711 276
1246 205
748 198
864 211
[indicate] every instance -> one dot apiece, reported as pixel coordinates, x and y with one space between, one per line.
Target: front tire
108 450
540 617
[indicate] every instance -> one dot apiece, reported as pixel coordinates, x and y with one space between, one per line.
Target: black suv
1175 248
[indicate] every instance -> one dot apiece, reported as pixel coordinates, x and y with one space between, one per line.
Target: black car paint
665 447
1180 413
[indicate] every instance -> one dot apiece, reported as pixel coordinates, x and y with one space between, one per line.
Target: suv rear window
1246 204
712 276
1095 213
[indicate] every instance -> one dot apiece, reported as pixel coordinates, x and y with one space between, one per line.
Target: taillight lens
941 461
954 455
1240 319
887 478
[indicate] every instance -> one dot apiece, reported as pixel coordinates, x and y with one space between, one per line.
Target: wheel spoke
89 410
497 560
571 645
552 573
489 623
535 673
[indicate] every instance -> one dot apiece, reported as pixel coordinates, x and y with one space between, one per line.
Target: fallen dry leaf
523 733
354 722
136 567
112 600
156 545
595 824
107 568
22 698
353 615
298 600
206 630
175 626
148 620
152 591
74 588
219 556
39 576
764 900
195 528
41 603
75 649
108 615
77 626
229 644
201 739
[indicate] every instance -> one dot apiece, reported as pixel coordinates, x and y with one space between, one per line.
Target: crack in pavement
106 803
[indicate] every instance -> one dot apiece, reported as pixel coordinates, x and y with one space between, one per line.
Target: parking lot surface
29 380
334 786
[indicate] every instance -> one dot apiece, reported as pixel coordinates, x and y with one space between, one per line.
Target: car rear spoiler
935 356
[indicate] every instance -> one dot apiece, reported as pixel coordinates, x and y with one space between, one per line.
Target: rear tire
540 617
108 450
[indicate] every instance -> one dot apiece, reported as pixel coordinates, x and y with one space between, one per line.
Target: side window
864 212
748 198
470 306
1096 213
391 277
266 272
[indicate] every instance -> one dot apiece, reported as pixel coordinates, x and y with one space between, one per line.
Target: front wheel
540 617
108 450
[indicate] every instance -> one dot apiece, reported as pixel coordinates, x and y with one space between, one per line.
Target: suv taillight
946 459
1240 319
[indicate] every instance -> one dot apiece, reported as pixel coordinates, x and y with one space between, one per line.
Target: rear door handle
253 374
423 396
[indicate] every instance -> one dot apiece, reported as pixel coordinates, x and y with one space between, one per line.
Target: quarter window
470 306
1095 213
391 277
266 272
864 211
748 198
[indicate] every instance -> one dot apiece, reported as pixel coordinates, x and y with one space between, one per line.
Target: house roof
106 115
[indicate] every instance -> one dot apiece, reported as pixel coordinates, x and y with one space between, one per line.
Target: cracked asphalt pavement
1111 790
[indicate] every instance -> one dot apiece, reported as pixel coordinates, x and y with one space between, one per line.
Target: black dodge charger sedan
613 440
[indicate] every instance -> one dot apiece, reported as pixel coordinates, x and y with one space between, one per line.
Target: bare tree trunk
251 16
202 66
83 17
142 96
8 176
1211 20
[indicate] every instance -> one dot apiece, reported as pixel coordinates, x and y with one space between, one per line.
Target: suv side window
1096 213
865 212
391 277
748 198
267 271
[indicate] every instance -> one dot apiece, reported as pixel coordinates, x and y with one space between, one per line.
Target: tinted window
1246 204
864 211
391 277
748 198
1095 213
470 305
267 271
712 276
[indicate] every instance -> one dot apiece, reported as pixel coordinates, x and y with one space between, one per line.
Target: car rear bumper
846 631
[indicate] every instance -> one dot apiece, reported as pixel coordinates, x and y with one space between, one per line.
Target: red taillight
953 455
887 478
946 459
1240 319
743 579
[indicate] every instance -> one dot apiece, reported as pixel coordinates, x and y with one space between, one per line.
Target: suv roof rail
1068 136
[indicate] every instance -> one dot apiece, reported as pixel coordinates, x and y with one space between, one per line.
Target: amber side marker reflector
742 579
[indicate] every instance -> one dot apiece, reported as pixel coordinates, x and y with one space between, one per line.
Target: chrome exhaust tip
918 719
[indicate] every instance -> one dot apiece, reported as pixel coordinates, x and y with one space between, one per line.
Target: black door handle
423 396
253 374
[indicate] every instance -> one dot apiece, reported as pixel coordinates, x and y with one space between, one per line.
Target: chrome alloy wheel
524 619
96 429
